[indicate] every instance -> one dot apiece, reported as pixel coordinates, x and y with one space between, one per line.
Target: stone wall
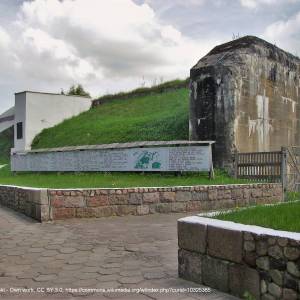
86 203
244 96
240 259
31 202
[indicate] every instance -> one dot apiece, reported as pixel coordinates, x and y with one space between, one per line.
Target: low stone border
29 201
237 258
54 204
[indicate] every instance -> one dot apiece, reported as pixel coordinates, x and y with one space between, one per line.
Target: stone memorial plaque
152 159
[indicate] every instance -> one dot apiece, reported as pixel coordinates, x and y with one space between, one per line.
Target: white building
36 111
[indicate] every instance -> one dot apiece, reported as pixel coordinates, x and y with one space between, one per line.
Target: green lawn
108 180
285 216
160 116
6 143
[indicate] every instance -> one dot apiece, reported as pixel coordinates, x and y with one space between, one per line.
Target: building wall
40 110
245 96
20 116
7 119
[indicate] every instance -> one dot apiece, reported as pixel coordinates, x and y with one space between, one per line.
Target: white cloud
285 33
101 44
4 39
172 3
256 3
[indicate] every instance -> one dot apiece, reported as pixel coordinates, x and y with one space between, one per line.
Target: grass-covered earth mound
152 117
284 216
6 143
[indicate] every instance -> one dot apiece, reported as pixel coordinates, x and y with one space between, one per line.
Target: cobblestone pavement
116 252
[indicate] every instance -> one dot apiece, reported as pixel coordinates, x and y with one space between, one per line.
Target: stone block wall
239 259
143 201
85 203
31 202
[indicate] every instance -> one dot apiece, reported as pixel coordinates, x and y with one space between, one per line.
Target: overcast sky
116 45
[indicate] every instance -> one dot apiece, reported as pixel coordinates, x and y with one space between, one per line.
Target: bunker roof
247 45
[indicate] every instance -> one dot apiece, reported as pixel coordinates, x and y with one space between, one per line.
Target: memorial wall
152 159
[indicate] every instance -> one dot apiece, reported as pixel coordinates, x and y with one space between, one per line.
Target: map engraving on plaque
147 160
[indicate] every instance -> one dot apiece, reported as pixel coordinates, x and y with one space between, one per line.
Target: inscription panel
155 159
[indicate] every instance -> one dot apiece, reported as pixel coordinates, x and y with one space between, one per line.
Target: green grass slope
160 116
6 143
110 180
285 216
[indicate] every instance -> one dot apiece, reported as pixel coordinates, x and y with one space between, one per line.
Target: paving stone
107 278
35 250
49 253
86 275
67 250
89 269
111 265
72 267
46 259
16 252
151 264
27 275
49 271
52 247
42 278
64 280
84 247
132 248
63 256
130 273
134 280
85 282
77 260
150 246
154 275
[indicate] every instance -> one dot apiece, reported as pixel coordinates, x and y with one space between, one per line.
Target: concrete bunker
245 96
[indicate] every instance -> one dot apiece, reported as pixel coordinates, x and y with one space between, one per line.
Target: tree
78 90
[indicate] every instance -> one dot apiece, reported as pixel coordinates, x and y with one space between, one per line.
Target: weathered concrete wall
55 204
237 258
245 95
